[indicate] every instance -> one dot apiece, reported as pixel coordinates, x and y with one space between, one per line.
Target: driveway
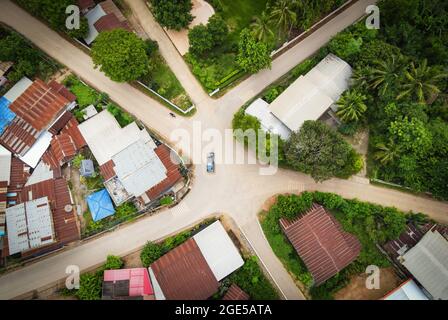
238 190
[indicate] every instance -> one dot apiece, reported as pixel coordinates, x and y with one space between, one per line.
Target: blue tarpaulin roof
100 205
6 115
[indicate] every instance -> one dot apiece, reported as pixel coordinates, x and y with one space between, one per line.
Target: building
31 108
307 98
427 261
5 67
127 284
87 169
131 163
320 241
105 16
235 293
408 290
192 270
100 205
85 5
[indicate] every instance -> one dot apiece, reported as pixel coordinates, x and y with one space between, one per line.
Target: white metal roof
218 250
407 291
35 153
5 164
42 172
18 89
93 16
29 225
269 123
428 263
139 168
156 286
106 138
311 95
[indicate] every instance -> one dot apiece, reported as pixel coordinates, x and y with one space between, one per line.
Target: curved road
237 190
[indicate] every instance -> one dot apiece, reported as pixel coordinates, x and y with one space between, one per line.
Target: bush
77 160
90 286
113 262
271 95
150 253
165 201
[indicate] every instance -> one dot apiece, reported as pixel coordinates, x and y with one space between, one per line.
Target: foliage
112 263
351 106
218 29
345 45
271 94
120 54
77 160
174 14
54 13
290 207
150 253
90 286
200 40
124 210
283 15
166 201
251 279
85 95
318 150
411 135
261 28
122 117
252 55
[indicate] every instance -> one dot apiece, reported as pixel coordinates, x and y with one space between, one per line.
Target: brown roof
321 243
19 136
19 176
172 173
110 22
406 240
107 170
4 67
62 90
72 129
38 105
65 225
110 8
235 293
183 273
61 122
63 148
85 4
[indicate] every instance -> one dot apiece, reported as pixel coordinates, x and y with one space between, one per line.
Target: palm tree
351 106
283 15
386 73
422 82
261 28
387 153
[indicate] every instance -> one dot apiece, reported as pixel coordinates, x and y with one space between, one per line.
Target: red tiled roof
62 90
65 224
183 273
71 128
320 241
235 293
139 283
173 173
110 22
38 105
63 148
107 170
85 4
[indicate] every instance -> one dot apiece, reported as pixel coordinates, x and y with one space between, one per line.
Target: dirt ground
133 260
360 142
356 289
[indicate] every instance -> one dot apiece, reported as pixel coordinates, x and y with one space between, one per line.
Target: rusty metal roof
107 170
183 273
320 241
63 148
110 22
235 293
62 90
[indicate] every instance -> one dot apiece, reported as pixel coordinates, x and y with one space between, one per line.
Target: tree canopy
120 54
173 14
253 55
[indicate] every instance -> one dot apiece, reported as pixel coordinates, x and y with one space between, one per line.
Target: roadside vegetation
28 60
370 223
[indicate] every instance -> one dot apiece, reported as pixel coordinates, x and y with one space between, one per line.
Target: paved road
238 190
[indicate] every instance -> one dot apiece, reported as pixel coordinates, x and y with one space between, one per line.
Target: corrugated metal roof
6 115
235 293
311 95
406 240
5 164
29 225
107 170
408 290
37 150
428 263
18 89
110 22
85 4
63 148
183 273
218 250
320 241
71 128
19 136
62 90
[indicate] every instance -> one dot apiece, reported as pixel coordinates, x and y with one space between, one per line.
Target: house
87 169
105 16
85 5
320 241
192 270
307 98
131 163
32 108
408 290
127 284
427 261
235 293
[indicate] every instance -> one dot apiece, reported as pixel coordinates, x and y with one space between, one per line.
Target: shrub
90 286
77 160
150 253
271 95
112 263
165 201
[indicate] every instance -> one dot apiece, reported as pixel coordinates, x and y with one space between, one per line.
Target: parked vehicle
211 162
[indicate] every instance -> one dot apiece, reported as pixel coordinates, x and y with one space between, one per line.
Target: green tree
120 54
217 28
173 14
21 69
113 263
261 28
90 286
150 253
200 40
386 74
412 135
252 55
283 16
422 82
351 106
387 152
320 151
